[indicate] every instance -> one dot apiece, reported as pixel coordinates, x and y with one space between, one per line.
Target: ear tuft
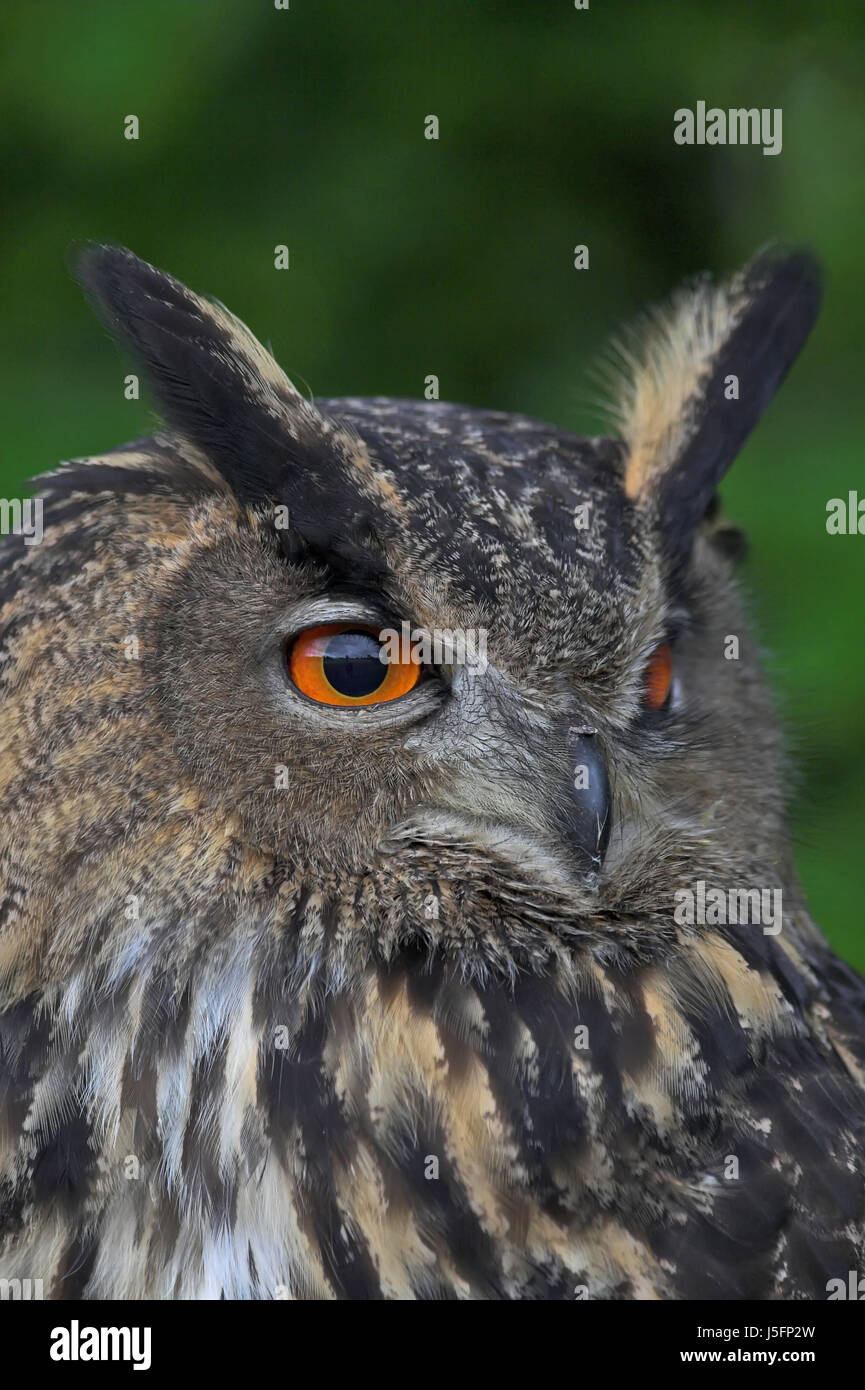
704 370
253 433
214 382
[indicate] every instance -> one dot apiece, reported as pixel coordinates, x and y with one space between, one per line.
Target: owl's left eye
658 678
342 664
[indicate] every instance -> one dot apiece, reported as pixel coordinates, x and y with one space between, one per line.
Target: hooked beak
588 812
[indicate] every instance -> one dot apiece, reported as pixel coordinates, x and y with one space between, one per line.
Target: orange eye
341 664
658 679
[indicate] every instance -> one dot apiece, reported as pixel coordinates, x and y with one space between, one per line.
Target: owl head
380 674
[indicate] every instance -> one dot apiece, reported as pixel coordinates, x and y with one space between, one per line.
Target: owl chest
378 1146
414 1149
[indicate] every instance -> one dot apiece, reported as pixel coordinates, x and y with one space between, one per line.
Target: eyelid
322 609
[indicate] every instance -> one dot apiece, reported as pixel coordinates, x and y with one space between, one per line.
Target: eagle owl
359 760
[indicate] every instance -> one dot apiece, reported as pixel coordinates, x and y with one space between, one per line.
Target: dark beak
589 811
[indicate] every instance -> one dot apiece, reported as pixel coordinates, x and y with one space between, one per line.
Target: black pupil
351 664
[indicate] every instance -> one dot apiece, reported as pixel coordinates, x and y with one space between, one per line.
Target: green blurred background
409 256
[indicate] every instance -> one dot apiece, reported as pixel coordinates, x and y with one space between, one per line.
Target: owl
397 893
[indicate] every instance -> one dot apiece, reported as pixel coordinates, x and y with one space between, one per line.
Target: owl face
549 711
517 631
556 714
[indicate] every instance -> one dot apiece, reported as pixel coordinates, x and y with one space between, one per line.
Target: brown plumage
385 1001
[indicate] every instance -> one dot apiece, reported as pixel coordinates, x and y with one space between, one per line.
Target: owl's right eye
343 664
658 678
